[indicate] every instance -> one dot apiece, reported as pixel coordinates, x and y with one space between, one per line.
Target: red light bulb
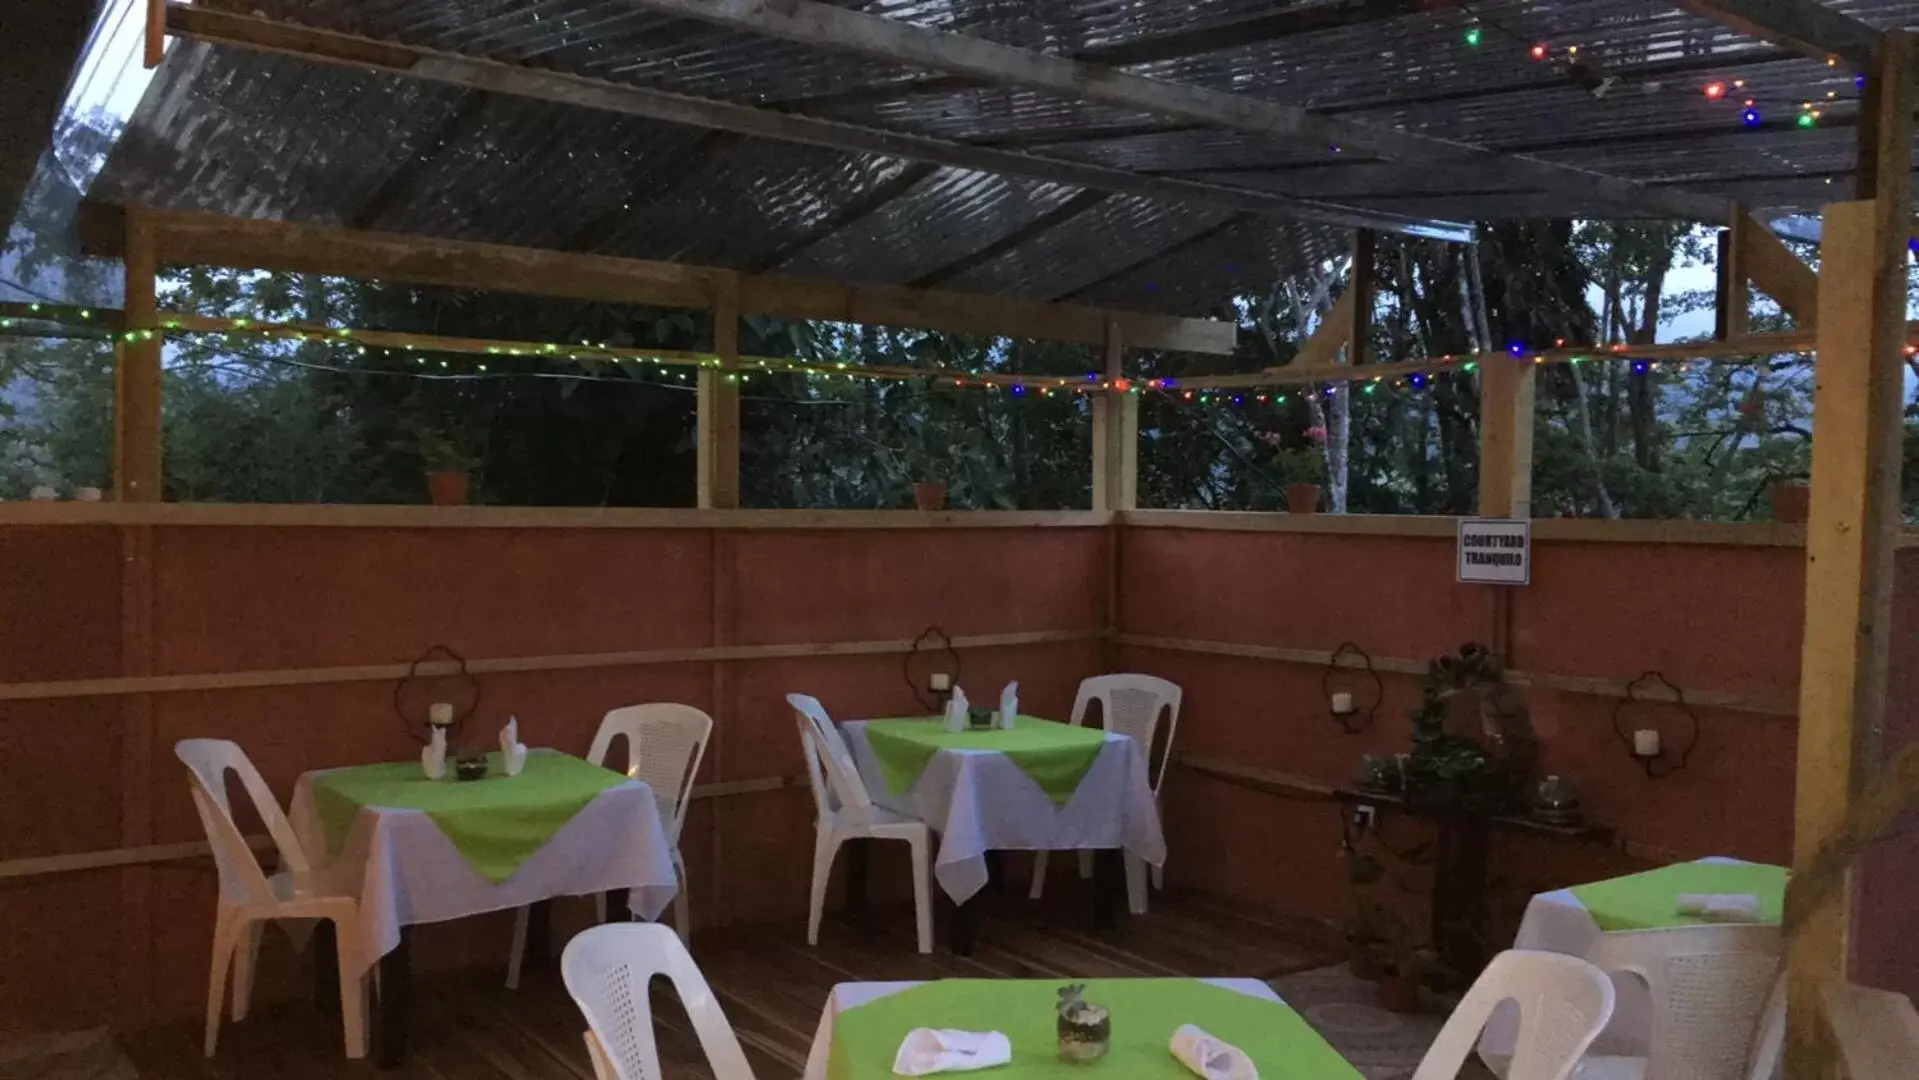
1539 51
1715 90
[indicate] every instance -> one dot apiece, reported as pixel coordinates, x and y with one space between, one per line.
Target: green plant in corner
440 453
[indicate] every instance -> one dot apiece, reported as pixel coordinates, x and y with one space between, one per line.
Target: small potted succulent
1085 1029
448 468
1302 465
1411 964
929 495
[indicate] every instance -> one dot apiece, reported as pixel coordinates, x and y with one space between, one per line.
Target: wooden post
1732 301
1115 434
1853 525
1505 438
719 404
155 49
1359 337
136 373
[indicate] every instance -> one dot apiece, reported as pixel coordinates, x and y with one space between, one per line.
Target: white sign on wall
1495 551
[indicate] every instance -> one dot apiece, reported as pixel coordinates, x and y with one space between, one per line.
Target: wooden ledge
281 515
1562 530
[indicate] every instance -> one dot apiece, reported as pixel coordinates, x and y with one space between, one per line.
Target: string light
1539 51
1807 119
1474 35
1715 90
1751 117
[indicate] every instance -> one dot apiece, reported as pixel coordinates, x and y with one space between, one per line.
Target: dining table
1039 785
414 850
864 1023
1571 920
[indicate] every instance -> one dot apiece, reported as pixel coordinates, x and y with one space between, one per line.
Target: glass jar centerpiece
1085 1029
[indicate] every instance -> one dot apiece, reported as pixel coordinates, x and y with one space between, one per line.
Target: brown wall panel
59 603
1886 941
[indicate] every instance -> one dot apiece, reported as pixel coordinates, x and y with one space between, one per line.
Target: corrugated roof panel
952 214
1108 237
1200 277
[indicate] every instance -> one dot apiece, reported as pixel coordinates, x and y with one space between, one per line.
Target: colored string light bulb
1474 35
1539 51
1751 117
1715 90
1807 119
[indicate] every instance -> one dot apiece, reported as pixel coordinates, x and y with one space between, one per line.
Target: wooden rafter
211 240
1804 26
473 73
826 26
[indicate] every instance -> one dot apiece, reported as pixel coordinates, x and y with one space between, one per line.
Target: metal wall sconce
1352 716
941 676
448 715
1647 744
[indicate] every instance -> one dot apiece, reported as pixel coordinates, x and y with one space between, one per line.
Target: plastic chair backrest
1708 986
664 745
1131 705
838 790
1564 1002
607 970
208 762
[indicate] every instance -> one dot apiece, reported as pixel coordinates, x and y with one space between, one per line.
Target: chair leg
353 998
246 955
1039 876
516 956
922 890
1135 884
1159 876
226 927
682 907
826 844
599 908
1085 865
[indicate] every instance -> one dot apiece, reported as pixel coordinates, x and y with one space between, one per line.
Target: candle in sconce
440 714
1342 703
1645 743
940 681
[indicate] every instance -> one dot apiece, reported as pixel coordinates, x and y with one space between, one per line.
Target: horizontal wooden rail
345 515
1578 684
1571 530
42 865
237 680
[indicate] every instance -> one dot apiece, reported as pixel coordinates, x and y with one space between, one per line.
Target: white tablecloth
404 870
848 995
1557 922
980 801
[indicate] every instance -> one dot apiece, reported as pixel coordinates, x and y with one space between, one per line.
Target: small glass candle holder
1085 1029
470 768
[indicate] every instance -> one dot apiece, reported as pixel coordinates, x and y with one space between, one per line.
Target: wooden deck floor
771 984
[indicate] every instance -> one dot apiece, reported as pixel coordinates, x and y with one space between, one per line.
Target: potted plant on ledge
448 468
1302 465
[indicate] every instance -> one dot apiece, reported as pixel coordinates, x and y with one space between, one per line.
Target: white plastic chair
607 969
847 812
1564 1003
1130 705
1718 1001
664 746
248 897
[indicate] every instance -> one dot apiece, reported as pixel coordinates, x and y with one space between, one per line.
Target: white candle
1645 743
1342 703
440 713
940 681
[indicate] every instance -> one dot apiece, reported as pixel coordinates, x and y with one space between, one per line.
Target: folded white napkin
1720 907
433 758
1214 1059
936 1050
512 750
1008 705
956 710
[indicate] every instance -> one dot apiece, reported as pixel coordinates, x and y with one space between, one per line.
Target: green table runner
1144 1012
1055 755
1649 901
497 823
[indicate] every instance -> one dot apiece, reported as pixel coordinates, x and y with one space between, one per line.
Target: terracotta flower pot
1399 993
1791 500
447 488
1302 498
929 496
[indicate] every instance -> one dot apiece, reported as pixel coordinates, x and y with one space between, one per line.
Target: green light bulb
1807 120
1473 36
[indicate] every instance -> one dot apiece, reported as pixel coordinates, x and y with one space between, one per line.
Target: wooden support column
1115 434
136 374
1732 301
719 404
1505 438
1853 526
1360 310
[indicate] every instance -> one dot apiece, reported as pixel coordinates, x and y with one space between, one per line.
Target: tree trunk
1644 390
1583 427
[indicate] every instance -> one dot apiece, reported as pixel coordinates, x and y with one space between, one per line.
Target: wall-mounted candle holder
941 672
440 713
1646 742
1352 715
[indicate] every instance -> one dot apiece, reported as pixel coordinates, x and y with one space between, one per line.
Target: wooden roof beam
194 239
828 27
1804 26
473 73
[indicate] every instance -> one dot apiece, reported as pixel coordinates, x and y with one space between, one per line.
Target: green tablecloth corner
497 823
1145 1012
1648 901
1055 755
